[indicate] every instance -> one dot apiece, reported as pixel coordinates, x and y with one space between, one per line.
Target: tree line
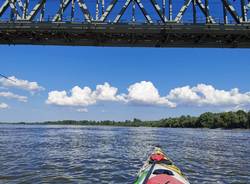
226 120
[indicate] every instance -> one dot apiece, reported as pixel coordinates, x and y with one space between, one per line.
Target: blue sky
62 68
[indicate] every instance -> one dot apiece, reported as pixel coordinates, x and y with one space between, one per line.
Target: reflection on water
76 154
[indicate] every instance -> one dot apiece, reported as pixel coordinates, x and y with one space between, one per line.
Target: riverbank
225 120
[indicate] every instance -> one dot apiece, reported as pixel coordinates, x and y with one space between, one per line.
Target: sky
98 83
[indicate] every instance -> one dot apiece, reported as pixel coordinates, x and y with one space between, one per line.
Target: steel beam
143 10
164 10
14 10
126 35
182 10
125 6
194 11
42 12
4 7
244 10
20 4
72 14
225 14
205 11
108 10
103 6
158 10
35 10
133 11
25 9
170 13
63 6
232 11
19 11
84 10
97 10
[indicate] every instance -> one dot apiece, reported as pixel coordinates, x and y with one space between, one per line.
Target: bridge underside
131 23
128 35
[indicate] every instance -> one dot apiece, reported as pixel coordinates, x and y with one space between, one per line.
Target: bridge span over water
132 23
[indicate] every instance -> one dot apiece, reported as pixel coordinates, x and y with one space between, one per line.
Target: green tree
243 119
248 117
206 120
219 122
231 119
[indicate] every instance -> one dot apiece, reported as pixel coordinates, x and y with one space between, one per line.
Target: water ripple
112 155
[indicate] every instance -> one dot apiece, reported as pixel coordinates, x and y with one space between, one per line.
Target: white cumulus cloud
207 95
13 96
83 96
20 83
146 93
3 106
78 97
105 92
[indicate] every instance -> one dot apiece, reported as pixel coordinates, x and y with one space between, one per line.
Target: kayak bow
159 169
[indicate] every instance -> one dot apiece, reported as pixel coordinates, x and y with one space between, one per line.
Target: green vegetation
226 120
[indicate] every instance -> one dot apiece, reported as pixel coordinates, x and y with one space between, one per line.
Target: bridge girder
148 23
127 35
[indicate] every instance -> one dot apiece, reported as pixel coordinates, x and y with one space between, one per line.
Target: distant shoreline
103 125
225 120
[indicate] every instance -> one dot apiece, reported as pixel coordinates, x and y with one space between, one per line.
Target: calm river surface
113 155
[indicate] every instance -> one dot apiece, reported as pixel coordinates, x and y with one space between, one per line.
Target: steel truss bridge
132 23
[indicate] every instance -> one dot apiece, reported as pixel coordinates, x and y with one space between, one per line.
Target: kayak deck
159 169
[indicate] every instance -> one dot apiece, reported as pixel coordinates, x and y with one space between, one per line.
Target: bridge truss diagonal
142 23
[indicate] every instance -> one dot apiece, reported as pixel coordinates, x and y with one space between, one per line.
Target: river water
113 155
